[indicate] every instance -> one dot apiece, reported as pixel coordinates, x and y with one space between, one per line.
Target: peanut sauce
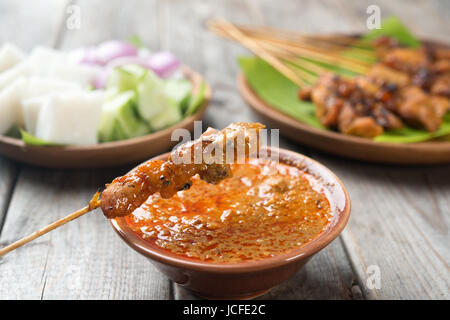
265 209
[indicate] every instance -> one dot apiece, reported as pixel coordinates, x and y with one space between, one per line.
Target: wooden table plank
82 260
399 223
8 176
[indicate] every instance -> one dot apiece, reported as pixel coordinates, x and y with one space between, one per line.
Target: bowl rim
300 253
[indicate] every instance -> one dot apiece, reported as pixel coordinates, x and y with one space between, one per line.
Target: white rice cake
39 86
70 118
31 108
10 110
10 55
12 74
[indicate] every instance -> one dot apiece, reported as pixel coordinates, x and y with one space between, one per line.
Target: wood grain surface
400 215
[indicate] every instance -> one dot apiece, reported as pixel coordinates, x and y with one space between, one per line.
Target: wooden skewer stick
338 39
235 33
93 204
331 57
323 45
228 30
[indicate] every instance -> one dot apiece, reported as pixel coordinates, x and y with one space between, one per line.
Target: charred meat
407 86
126 193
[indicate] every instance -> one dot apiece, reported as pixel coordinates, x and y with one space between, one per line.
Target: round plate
105 154
432 152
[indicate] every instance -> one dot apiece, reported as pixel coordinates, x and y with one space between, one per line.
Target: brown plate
105 154
432 152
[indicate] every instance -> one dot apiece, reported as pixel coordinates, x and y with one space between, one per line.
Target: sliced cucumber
151 98
195 101
126 77
119 119
178 91
170 115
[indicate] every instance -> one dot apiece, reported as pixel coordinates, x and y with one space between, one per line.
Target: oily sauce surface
265 209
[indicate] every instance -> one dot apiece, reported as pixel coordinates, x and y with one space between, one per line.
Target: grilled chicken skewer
208 156
128 192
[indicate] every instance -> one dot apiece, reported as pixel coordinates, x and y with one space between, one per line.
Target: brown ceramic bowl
248 279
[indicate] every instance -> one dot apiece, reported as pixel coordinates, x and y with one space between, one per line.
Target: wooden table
400 217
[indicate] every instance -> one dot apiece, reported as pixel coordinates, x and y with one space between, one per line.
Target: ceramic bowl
254 278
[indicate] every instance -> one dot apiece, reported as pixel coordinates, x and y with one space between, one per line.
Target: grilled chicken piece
441 85
440 53
324 95
386 118
383 44
406 59
441 105
383 74
356 106
305 93
206 156
352 124
418 109
441 66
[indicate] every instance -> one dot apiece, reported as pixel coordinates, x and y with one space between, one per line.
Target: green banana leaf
196 101
277 90
29 139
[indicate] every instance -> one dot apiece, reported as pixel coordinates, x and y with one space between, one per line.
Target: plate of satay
97 106
220 213
383 96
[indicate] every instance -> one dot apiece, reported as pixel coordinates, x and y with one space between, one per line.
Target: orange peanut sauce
265 209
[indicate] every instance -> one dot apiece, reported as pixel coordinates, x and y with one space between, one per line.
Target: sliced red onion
110 50
100 80
163 63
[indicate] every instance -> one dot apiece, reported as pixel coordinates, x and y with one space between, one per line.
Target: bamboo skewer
337 39
237 35
320 45
93 204
289 51
328 58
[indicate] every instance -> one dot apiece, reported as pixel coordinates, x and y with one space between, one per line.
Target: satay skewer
127 193
93 204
